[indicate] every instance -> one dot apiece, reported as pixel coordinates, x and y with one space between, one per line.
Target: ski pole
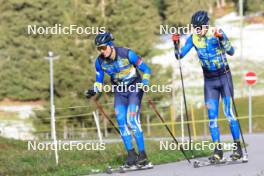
101 109
105 115
164 123
176 47
233 100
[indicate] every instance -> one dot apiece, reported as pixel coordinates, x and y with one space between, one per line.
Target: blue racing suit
123 70
217 78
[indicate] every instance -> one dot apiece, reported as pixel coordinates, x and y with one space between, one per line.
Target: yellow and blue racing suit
123 70
217 77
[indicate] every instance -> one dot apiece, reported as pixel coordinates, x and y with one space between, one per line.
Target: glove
175 38
218 33
89 93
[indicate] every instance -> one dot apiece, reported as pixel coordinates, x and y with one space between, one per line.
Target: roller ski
237 155
134 162
217 158
223 161
237 152
124 169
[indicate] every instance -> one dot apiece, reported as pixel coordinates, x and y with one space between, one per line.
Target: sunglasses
205 26
100 48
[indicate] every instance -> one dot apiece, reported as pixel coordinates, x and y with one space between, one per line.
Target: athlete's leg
212 94
121 106
226 94
134 118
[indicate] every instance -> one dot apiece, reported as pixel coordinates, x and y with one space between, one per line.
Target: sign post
251 79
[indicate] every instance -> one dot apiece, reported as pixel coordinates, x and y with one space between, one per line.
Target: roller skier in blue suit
212 45
123 66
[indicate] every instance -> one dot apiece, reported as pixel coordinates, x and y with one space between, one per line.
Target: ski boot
142 159
217 155
132 157
237 153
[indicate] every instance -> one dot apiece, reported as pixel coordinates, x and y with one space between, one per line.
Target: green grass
16 159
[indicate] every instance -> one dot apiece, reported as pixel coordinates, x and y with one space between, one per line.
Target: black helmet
104 39
200 18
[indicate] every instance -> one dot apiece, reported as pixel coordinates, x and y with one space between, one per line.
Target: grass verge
16 159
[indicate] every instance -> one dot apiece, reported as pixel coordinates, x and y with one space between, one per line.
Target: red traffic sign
251 78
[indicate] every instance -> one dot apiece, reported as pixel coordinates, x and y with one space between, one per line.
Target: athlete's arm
225 43
187 47
142 66
99 79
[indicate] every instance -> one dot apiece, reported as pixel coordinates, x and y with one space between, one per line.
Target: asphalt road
255 166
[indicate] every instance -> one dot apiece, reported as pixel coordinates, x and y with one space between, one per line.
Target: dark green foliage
179 12
25 72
